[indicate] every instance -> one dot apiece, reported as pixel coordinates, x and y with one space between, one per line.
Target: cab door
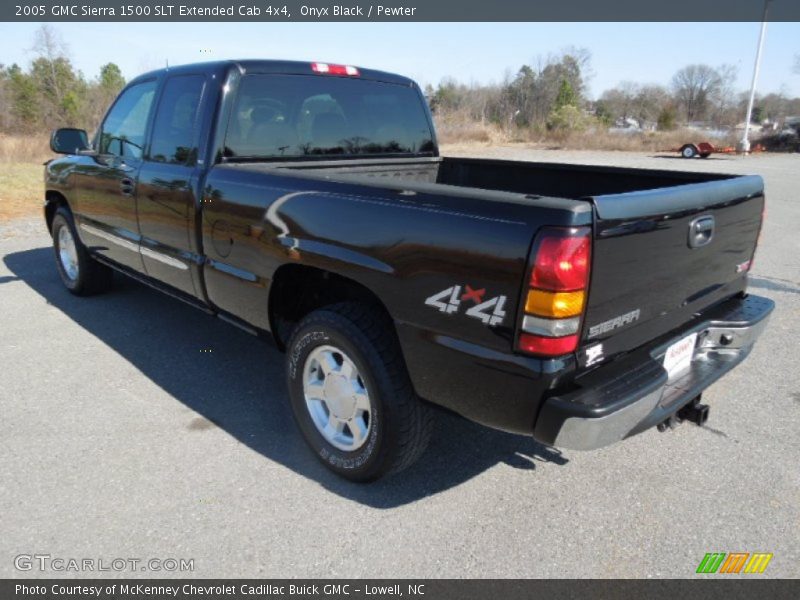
106 207
166 199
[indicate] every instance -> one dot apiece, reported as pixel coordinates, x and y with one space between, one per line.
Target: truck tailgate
662 255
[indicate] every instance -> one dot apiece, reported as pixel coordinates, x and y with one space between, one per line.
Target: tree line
549 95
552 95
51 93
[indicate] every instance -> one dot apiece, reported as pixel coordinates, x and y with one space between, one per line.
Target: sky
428 52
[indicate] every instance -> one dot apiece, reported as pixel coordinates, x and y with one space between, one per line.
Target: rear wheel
688 151
80 273
351 394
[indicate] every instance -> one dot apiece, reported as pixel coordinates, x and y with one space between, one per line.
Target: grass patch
21 190
22 174
31 148
458 128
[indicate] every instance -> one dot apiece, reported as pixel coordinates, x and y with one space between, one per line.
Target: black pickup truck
308 202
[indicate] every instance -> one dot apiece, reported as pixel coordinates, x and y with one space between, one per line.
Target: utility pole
744 144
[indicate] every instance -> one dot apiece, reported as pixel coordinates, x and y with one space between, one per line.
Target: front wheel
81 274
351 394
689 151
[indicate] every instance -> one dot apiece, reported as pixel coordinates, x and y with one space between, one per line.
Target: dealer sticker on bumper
679 355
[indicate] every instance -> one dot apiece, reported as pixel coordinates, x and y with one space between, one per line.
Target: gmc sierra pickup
308 202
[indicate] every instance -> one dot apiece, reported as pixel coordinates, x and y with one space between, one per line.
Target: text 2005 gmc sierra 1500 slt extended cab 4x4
308 202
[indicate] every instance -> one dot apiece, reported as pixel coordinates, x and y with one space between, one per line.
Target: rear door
167 201
661 256
107 184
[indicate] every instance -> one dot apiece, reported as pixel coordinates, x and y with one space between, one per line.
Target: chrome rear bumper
634 393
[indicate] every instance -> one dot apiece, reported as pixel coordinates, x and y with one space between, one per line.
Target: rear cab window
305 116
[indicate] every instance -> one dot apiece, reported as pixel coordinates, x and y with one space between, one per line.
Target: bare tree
619 102
48 44
650 103
631 100
722 97
694 86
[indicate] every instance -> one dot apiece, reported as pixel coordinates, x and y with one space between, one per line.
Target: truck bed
647 279
531 179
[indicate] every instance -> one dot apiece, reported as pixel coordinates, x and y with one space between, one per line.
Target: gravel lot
136 427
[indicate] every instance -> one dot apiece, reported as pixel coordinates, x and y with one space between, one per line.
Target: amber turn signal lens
554 304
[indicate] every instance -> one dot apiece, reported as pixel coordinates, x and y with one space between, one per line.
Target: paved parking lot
134 426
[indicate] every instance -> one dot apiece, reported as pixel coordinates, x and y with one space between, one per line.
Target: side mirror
69 141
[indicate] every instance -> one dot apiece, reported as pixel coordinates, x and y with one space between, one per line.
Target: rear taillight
562 262
547 346
557 288
328 69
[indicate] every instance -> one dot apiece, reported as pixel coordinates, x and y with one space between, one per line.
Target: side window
122 133
174 130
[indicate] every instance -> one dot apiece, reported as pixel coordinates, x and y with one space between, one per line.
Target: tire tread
95 278
414 418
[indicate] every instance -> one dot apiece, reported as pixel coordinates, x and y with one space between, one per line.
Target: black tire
90 277
400 423
688 151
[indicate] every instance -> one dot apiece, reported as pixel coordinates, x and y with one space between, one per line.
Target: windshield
286 116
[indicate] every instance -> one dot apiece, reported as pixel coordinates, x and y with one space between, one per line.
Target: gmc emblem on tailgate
701 231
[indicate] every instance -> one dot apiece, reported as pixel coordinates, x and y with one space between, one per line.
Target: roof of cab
283 67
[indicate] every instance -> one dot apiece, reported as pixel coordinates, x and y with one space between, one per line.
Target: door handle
127 186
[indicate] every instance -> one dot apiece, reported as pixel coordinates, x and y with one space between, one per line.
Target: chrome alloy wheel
336 398
68 253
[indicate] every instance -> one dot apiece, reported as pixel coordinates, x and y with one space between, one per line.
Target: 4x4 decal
491 312
453 300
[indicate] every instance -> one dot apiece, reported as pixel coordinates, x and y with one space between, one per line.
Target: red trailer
703 150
